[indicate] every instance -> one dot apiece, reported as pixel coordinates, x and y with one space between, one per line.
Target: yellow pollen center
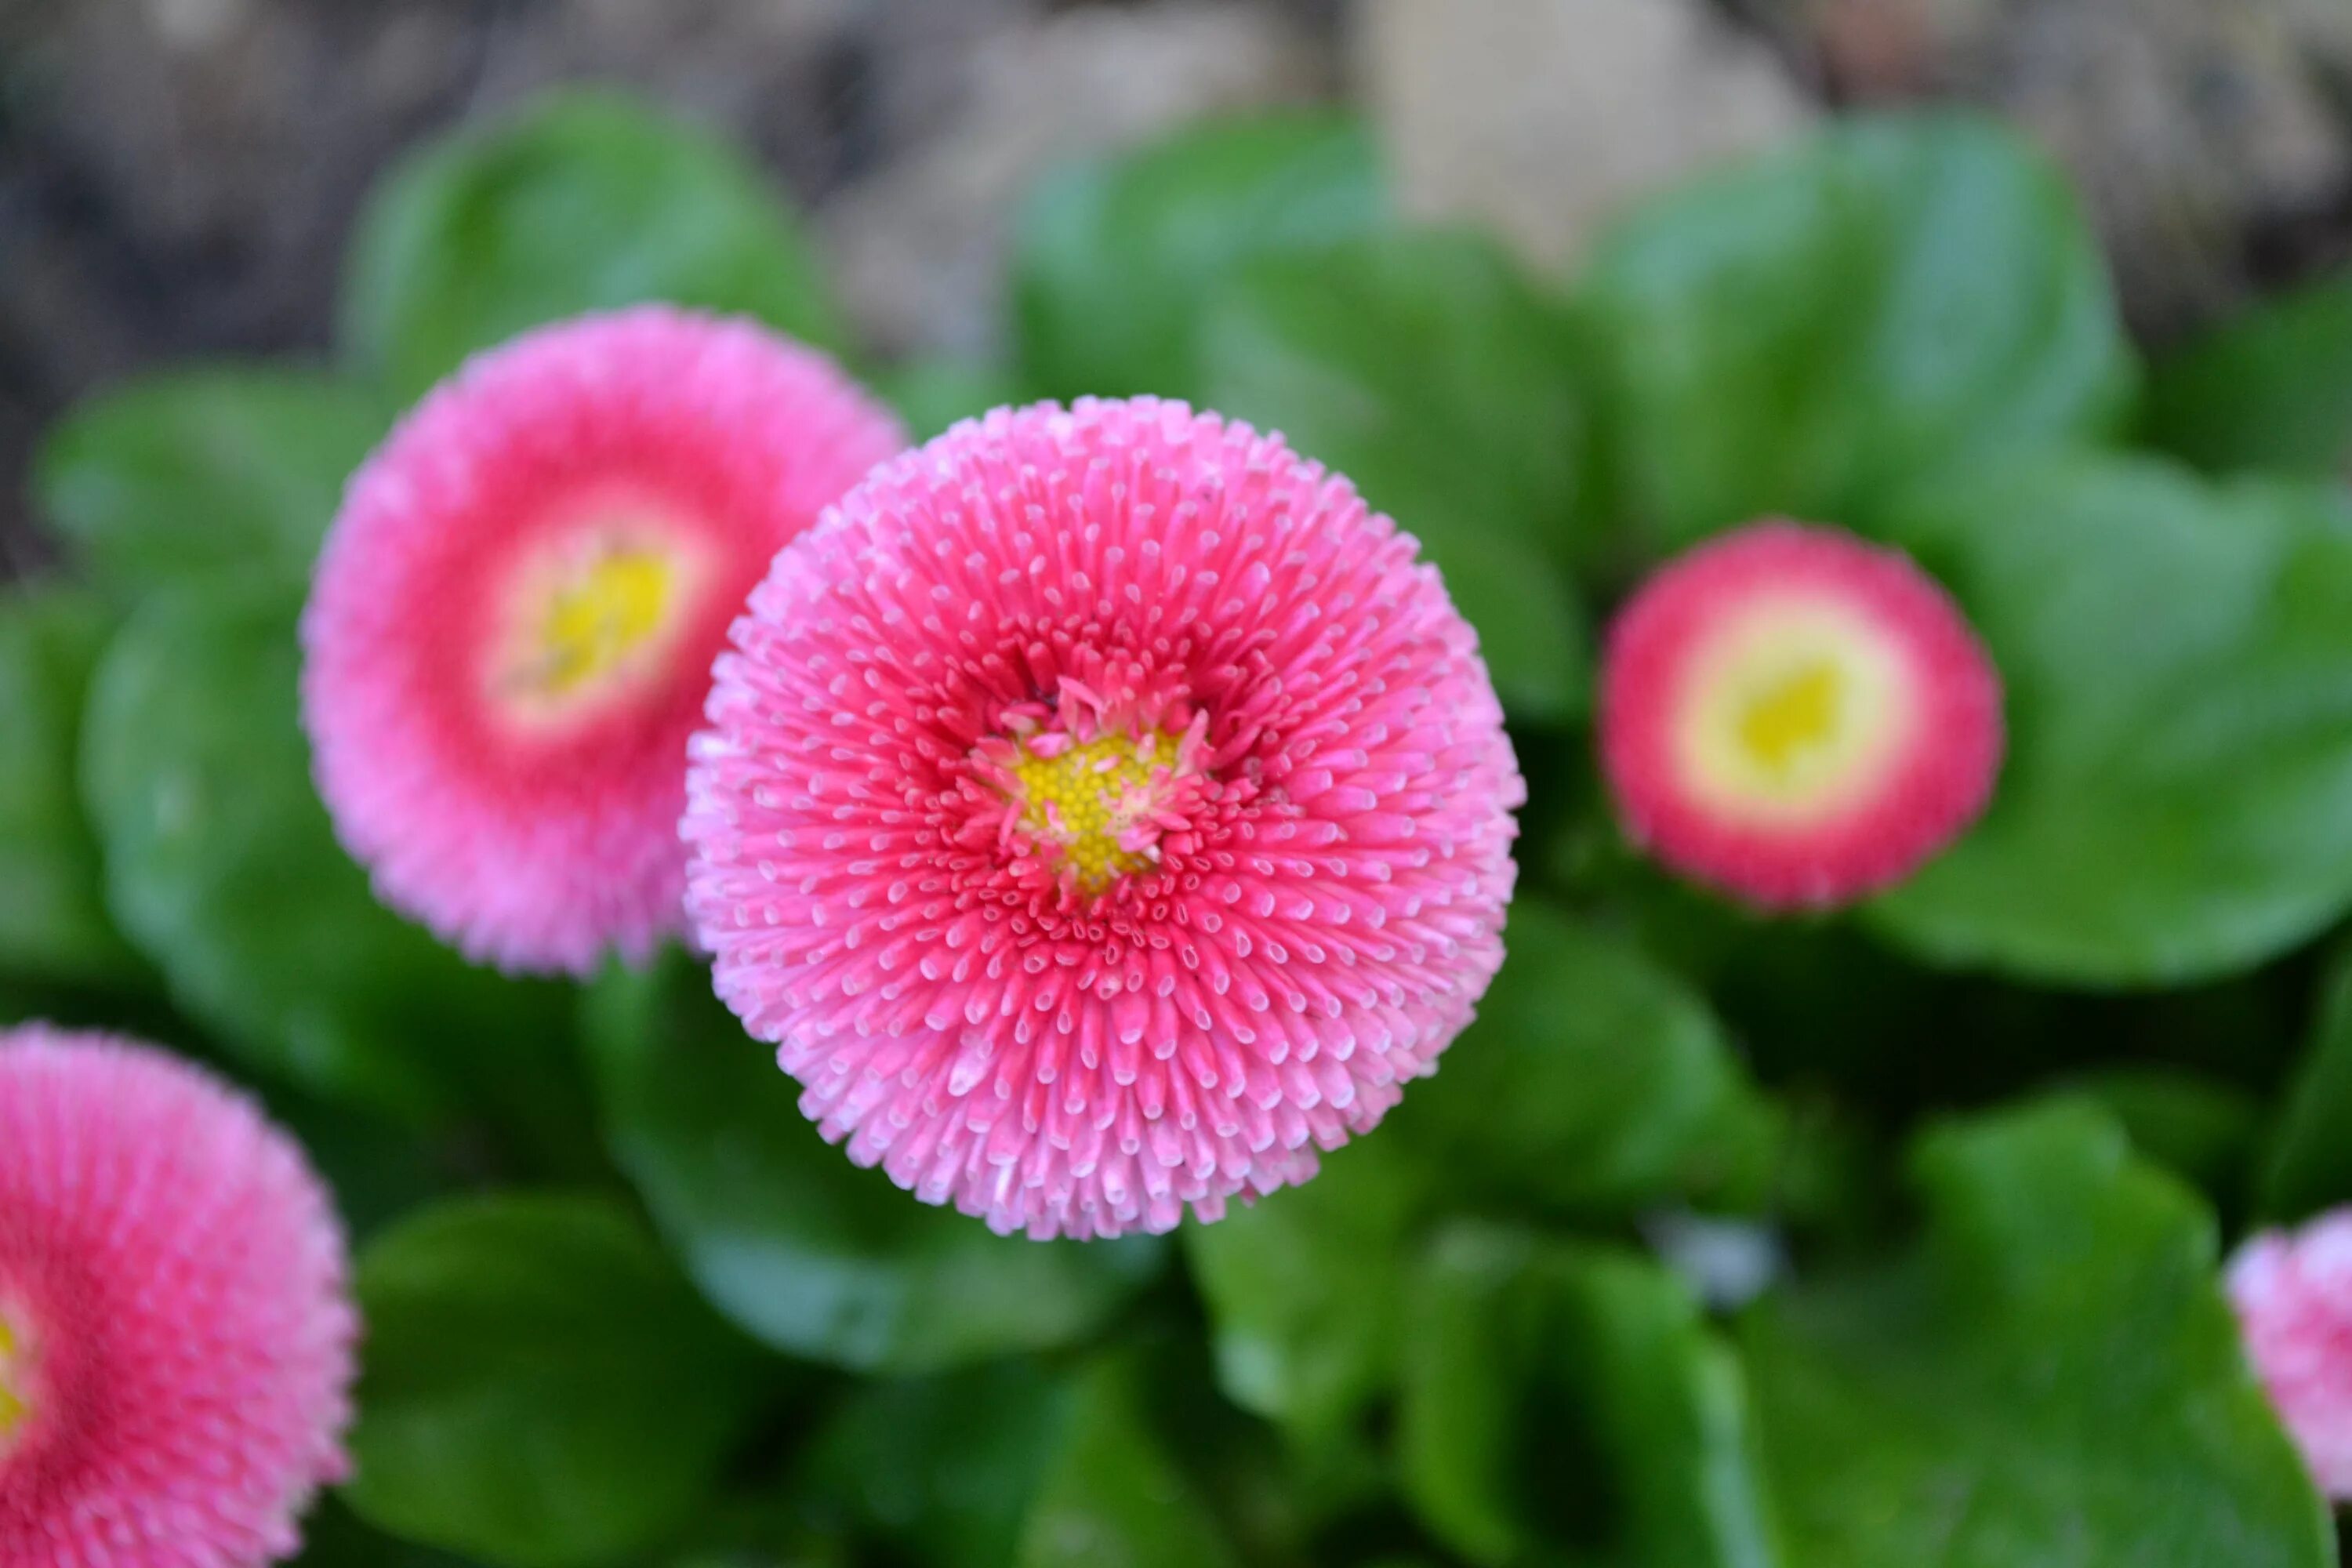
593 613
1789 710
607 612
1793 717
13 1408
1085 800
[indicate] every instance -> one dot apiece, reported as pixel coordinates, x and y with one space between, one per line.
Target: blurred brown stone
1542 117
2191 125
918 248
178 177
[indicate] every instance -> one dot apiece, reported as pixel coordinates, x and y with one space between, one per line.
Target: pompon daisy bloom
1797 717
1102 811
2293 1293
511 630
175 1327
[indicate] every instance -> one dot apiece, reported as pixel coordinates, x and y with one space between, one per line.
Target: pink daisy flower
2293 1293
1797 717
176 1326
1102 812
511 630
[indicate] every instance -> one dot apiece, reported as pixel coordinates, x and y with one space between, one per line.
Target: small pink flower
2292 1292
1797 717
175 1325
1101 811
511 635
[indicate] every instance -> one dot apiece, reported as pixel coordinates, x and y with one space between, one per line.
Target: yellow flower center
1085 800
599 610
13 1408
1796 717
1790 710
609 611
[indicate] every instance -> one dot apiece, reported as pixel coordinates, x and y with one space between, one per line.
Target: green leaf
222 468
53 920
2201 1130
541 1388
583 202
1302 1286
333 1538
378 1169
2272 390
1592 1079
1812 333
1566 1403
802 1248
1429 371
2051 1380
933 395
943 1469
2176 802
2306 1164
222 868
1113 259
1112 1498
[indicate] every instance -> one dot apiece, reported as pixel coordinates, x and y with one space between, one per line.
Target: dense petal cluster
176 1326
2293 1293
1102 811
1797 717
511 630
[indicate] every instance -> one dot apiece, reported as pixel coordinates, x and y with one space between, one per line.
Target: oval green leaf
1591 1080
2052 1380
2176 802
53 921
540 1387
1302 1286
2306 1159
2272 390
1569 1403
941 1469
1430 372
1812 333
583 202
1112 1496
221 867
1113 259
220 467
801 1247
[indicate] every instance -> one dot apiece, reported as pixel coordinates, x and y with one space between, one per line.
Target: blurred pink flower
176 1328
1102 811
1797 717
2292 1292
511 635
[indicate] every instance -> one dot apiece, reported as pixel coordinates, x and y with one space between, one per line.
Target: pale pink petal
527 810
1797 717
1256 885
176 1330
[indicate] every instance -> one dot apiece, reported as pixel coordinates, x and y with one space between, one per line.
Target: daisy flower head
1101 811
509 636
2293 1293
1797 717
175 1323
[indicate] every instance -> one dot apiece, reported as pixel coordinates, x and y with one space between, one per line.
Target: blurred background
1633 1285
178 177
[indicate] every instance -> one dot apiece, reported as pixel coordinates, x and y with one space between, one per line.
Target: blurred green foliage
627 1307
586 203
2177 803
1465 412
225 468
